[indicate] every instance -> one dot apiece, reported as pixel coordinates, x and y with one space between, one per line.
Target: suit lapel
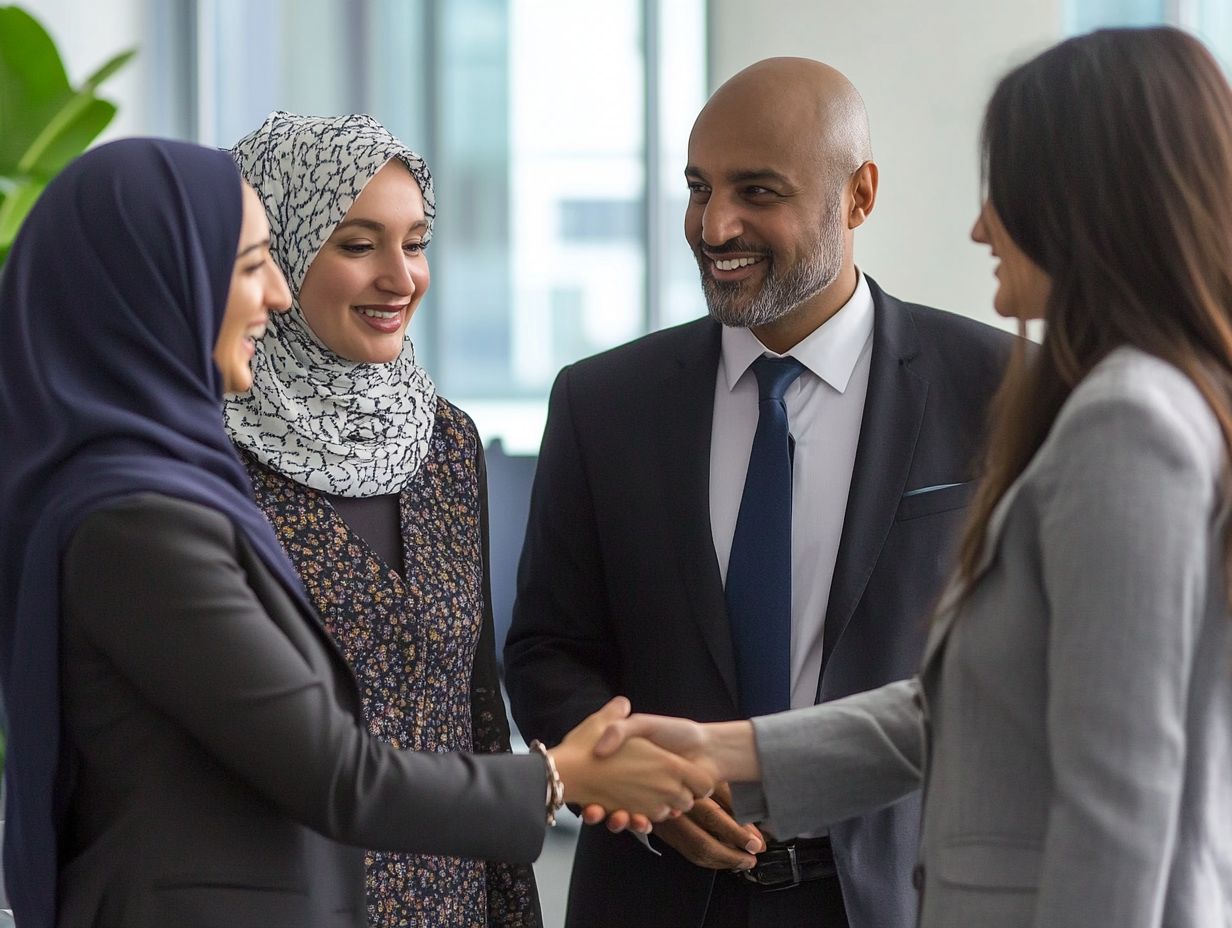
688 413
943 619
949 605
893 411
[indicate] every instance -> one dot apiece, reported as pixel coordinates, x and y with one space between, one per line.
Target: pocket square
941 497
920 491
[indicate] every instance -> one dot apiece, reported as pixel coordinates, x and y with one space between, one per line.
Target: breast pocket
926 501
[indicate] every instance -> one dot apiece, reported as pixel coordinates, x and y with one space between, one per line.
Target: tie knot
775 375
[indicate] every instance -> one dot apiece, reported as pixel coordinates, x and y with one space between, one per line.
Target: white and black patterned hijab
335 425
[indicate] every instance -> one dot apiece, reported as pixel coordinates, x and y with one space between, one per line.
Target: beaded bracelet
554 797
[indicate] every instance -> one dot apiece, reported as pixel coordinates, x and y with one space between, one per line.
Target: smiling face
257 287
1023 286
780 175
765 220
365 283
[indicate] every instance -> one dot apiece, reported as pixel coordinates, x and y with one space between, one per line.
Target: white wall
88 34
925 70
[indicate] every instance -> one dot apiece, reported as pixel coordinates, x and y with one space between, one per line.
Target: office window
1211 20
1085 15
556 132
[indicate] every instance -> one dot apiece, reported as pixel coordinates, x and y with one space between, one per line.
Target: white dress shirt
825 406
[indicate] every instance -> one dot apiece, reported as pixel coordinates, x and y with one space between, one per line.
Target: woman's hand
680 736
726 750
635 775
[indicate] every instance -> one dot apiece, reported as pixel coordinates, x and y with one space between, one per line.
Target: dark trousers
735 903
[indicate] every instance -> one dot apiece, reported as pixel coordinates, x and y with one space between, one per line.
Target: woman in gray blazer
1071 725
186 745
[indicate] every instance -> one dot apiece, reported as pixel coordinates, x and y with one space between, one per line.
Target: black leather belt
785 864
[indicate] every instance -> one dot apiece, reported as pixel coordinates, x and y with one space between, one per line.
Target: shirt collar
830 351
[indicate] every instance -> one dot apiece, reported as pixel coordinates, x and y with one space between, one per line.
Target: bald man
716 532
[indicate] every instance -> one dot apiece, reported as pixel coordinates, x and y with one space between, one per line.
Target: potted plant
45 122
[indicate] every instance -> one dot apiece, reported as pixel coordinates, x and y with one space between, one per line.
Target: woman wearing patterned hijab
186 744
374 483
206 719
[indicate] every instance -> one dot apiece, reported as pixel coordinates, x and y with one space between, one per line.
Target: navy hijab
110 304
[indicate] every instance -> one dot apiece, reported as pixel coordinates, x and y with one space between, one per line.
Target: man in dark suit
718 532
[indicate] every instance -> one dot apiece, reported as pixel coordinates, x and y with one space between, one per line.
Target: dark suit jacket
218 759
619 587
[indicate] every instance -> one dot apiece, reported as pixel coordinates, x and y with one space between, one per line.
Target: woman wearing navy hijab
185 743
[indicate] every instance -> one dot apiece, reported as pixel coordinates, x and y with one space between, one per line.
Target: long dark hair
1109 161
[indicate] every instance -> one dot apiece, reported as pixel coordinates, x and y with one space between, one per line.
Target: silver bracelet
554 797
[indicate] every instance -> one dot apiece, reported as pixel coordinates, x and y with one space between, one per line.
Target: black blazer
218 768
619 588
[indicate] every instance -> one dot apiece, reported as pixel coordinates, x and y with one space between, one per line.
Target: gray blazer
1072 721
218 771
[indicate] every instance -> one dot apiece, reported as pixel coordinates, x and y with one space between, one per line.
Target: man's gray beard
779 294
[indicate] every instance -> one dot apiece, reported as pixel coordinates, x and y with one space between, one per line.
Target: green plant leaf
30 55
44 121
14 207
108 69
75 137
66 135
33 83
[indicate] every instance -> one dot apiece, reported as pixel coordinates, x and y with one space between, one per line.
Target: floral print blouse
422 646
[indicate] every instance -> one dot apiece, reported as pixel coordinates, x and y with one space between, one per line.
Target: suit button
917 878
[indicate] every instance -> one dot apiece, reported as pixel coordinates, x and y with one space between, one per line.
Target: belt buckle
751 875
795 872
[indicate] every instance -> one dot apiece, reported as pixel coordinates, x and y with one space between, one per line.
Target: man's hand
708 836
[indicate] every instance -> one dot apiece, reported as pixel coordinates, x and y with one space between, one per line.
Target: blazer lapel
688 413
948 607
943 619
893 410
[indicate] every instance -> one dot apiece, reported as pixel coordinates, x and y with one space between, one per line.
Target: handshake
639 769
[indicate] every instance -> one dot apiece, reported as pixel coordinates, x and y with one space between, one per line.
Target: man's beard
779 294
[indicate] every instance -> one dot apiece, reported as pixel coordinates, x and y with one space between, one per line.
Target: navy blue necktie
759 570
